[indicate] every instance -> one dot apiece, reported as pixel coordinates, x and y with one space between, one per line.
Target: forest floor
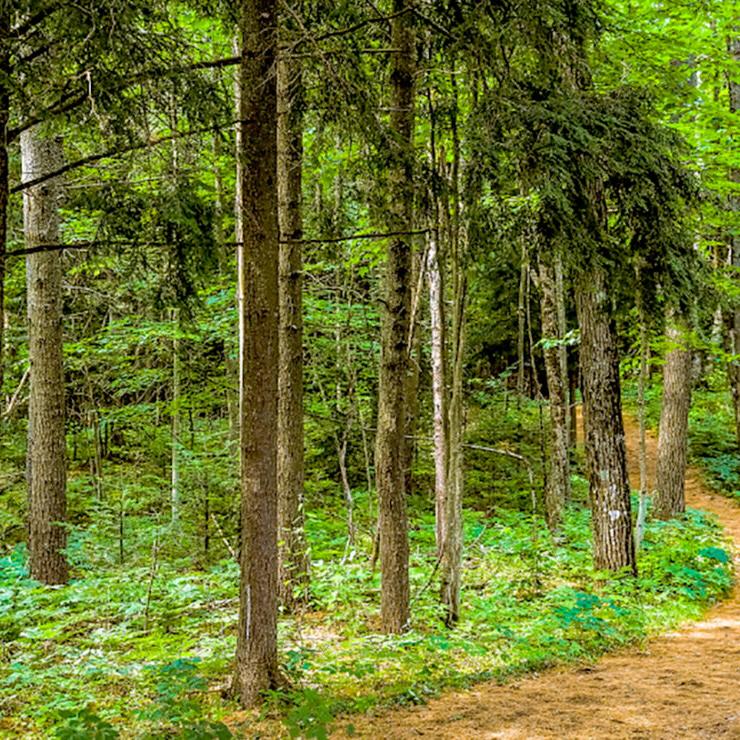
685 684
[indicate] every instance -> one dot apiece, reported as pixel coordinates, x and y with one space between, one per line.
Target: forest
369 368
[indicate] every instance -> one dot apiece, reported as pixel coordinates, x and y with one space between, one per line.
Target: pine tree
256 652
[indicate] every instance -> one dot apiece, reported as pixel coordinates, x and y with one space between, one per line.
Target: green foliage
84 724
310 717
78 659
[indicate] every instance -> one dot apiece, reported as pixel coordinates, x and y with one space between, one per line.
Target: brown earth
682 685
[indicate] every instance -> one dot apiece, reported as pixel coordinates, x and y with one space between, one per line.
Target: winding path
681 685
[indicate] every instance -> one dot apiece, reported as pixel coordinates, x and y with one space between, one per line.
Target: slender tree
46 455
389 457
673 437
5 29
439 388
256 652
734 314
642 384
176 419
452 559
557 491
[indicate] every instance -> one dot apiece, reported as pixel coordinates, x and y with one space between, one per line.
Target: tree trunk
453 538
563 354
176 420
642 410
573 372
237 368
674 426
389 457
452 559
606 456
521 313
293 574
414 372
256 652
734 367
439 389
46 461
734 319
557 491
5 72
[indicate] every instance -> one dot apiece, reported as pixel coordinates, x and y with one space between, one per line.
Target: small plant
84 724
311 716
176 709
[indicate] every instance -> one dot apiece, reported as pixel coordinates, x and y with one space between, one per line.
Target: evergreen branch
352 237
88 244
112 153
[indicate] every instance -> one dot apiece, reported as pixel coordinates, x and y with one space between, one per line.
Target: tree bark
452 557
46 456
521 325
734 319
439 388
453 538
642 412
673 435
5 71
557 491
293 573
414 373
238 367
256 652
606 456
389 457
176 420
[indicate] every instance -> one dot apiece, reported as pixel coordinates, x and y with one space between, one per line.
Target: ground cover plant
145 650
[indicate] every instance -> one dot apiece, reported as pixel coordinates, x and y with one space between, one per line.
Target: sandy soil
682 685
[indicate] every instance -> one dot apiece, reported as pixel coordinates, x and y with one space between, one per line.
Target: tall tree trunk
293 575
734 319
46 461
176 420
673 435
606 456
439 388
642 410
563 349
521 313
573 372
734 340
256 652
389 457
238 367
557 491
414 371
453 539
5 71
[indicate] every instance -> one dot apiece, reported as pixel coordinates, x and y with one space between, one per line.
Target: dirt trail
682 685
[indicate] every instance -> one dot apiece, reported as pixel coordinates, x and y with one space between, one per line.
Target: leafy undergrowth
146 652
